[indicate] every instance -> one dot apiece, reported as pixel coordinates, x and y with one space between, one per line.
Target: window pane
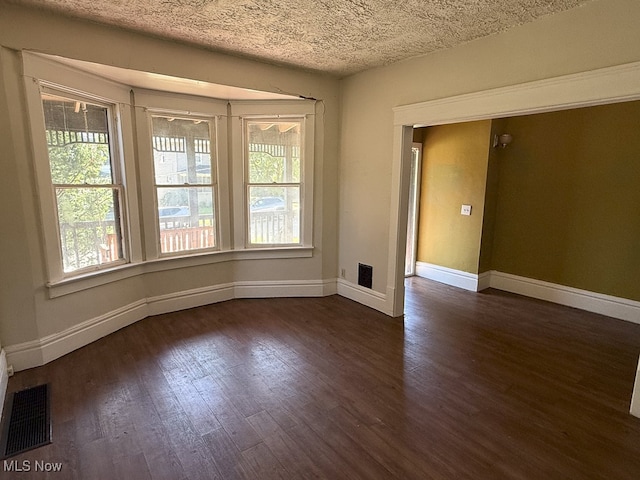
274 152
78 141
181 151
186 216
274 215
89 226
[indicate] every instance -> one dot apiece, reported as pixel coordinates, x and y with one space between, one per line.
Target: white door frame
416 212
597 87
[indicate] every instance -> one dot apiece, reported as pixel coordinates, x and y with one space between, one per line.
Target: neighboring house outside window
185 183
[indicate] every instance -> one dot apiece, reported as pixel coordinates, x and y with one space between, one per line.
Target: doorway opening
590 88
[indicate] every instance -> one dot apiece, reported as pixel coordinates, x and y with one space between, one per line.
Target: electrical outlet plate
465 210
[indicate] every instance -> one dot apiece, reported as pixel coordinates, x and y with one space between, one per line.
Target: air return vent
28 422
365 275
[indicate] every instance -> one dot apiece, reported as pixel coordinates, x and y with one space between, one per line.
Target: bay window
134 180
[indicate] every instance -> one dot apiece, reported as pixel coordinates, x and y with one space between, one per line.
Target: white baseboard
38 352
449 276
220 293
189 299
635 398
4 379
300 288
611 306
365 296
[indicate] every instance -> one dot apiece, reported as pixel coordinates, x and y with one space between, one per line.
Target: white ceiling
339 37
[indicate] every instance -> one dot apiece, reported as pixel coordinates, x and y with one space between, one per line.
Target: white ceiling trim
607 85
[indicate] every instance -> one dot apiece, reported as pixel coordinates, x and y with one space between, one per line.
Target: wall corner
4 379
635 398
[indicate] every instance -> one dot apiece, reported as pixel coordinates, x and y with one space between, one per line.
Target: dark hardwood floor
466 386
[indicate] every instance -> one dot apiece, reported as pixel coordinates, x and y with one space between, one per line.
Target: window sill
121 272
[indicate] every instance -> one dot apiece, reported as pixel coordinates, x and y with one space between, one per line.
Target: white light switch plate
465 210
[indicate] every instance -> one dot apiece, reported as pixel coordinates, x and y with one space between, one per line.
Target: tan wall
599 34
454 170
568 199
26 312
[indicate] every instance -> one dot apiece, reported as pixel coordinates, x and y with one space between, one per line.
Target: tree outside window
273 181
85 183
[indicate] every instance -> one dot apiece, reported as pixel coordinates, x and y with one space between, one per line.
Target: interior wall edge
370 298
4 379
635 398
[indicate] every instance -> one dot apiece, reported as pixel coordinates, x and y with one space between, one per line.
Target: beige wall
599 34
26 312
454 172
17 303
568 197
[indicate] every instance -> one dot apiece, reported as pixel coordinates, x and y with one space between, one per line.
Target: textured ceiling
334 36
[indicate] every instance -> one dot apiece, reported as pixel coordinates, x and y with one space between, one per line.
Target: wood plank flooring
466 386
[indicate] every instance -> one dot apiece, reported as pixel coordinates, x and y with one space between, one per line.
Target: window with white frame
193 188
83 164
184 182
273 180
86 180
183 173
273 173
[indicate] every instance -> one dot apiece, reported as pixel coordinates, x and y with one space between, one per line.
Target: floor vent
28 421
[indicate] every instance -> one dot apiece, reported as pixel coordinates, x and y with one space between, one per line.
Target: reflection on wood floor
466 386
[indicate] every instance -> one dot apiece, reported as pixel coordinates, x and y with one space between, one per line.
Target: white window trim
241 110
142 257
87 281
40 73
149 103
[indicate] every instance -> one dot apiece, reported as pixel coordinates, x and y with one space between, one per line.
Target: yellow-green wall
454 171
568 199
490 199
